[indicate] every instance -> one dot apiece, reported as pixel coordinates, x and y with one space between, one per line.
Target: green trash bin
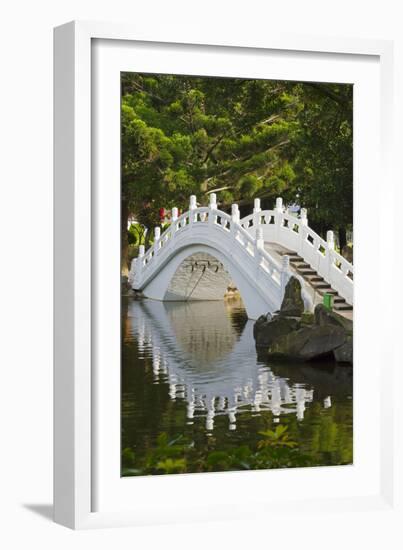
328 301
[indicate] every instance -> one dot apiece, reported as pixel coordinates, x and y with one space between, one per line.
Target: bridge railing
249 234
292 232
236 239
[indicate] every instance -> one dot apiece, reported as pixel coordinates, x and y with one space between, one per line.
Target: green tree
242 138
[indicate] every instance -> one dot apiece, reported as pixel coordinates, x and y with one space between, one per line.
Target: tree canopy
240 138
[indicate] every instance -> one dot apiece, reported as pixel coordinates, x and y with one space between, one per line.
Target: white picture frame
77 390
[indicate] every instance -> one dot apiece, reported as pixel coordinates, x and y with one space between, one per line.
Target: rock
267 330
292 304
307 343
344 353
325 317
307 318
293 334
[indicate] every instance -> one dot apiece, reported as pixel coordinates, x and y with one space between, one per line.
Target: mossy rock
307 318
307 343
292 304
267 331
344 353
325 317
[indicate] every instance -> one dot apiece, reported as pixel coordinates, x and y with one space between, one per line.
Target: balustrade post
235 213
329 253
136 268
259 238
256 212
259 245
235 218
192 202
278 218
192 206
174 218
285 273
132 272
212 215
330 239
279 205
157 235
303 225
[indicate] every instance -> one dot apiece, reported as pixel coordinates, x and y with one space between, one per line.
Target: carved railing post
259 238
329 252
192 206
256 212
235 217
235 213
259 245
132 273
212 216
278 217
157 235
285 273
136 268
174 218
304 216
303 230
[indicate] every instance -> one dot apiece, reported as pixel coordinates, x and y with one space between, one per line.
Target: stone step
342 307
315 279
324 286
291 253
330 291
295 259
306 271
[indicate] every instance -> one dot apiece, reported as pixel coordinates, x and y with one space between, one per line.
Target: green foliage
185 135
136 234
172 465
172 456
276 438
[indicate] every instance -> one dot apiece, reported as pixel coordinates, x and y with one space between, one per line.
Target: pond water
195 395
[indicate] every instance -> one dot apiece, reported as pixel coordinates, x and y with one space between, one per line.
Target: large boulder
325 317
307 343
267 330
292 304
296 335
344 353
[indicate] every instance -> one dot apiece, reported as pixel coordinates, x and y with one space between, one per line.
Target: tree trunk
342 238
124 216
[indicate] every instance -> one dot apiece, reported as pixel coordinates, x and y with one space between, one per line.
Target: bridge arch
255 301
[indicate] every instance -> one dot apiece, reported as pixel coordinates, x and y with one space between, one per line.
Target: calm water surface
190 369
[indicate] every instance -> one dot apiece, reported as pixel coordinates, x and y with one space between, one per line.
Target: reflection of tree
326 434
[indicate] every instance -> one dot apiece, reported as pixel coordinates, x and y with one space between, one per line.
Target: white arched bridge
205 248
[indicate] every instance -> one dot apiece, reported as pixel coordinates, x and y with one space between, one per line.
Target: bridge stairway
317 282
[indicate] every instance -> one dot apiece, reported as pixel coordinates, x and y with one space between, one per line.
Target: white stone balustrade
294 233
240 245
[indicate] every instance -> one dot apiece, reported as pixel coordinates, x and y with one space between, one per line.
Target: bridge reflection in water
204 354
